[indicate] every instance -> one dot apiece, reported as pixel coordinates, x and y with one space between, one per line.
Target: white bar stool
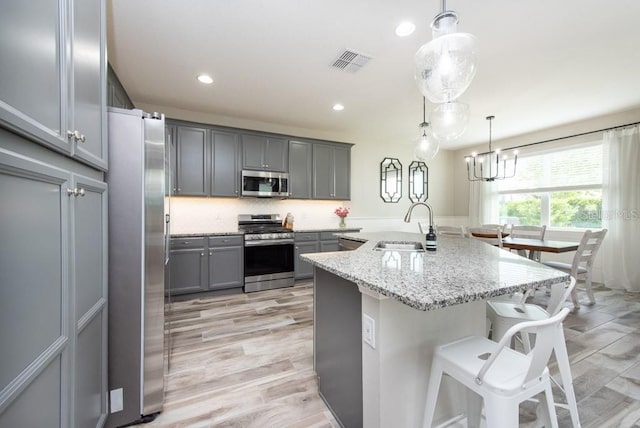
501 376
505 315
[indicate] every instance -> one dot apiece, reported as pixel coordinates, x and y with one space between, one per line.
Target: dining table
543 245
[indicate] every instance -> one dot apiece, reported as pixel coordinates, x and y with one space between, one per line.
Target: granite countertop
240 232
460 270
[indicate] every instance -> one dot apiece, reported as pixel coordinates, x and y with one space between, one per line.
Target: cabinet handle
76 192
179 189
76 135
185 242
211 254
201 254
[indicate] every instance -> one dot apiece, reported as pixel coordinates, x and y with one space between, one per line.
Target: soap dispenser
431 239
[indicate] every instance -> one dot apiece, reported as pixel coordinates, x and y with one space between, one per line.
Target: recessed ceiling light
405 28
338 107
205 78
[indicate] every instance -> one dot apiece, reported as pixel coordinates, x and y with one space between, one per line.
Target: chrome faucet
407 217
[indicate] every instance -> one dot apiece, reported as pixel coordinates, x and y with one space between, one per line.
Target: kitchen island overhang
416 300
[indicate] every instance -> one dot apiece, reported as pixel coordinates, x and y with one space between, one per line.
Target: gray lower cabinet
311 242
188 265
264 153
226 262
202 263
331 171
53 320
300 167
54 94
302 269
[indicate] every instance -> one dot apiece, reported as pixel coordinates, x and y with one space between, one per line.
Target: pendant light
425 147
446 65
449 120
487 166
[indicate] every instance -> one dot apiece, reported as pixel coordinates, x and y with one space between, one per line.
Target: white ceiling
542 62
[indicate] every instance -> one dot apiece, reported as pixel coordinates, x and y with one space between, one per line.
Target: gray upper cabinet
264 153
300 167
225 160
331 171
88 109
192 178
116 94
55 95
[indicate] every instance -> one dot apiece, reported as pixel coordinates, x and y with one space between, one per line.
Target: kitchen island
411 302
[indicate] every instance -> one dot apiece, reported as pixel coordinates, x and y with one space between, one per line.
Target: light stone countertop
460 270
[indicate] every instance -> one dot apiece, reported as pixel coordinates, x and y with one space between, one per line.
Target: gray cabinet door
253 152
89 81
322 171
342 172
264 153
331 171
226 267
304 269
329 246
300 168
88 261
36 324
32 70
188 270
225 153
192 177
276 155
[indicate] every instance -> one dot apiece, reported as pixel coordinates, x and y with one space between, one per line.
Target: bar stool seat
501 376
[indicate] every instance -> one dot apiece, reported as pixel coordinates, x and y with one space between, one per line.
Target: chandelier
446 65
495 169
425 147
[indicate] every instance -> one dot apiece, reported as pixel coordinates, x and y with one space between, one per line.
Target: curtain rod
564 138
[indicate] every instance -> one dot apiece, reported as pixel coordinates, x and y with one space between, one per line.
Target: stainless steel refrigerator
137 245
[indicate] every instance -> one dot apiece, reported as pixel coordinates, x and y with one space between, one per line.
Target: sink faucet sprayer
431 236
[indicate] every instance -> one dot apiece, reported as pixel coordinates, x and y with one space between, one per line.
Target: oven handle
264 242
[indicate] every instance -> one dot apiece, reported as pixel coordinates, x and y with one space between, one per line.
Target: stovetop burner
263 226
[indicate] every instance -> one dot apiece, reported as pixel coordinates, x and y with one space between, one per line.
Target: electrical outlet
116 399
369 330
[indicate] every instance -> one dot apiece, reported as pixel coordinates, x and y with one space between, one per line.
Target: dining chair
528 232
505 315
492 234
582 263
502 377
450 230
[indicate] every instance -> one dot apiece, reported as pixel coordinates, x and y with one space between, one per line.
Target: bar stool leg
562 358
435 377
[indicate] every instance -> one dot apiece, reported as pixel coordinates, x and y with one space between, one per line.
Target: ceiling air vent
351 61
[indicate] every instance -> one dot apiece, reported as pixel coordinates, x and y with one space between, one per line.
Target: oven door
268 264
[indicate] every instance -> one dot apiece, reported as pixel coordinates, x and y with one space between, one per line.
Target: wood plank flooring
246 361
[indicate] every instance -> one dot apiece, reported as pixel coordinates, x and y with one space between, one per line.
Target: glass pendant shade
449 120
446 65
425 148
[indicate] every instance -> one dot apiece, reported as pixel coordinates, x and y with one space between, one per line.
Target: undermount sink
399 246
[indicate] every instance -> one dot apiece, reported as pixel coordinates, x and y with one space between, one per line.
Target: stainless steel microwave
263 184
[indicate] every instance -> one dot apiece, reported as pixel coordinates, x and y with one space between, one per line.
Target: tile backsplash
210 215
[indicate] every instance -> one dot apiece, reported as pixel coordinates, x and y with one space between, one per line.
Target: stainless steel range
268 252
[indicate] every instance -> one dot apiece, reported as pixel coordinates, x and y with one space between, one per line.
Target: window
561 189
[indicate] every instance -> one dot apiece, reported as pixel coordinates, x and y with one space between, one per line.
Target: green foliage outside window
568 209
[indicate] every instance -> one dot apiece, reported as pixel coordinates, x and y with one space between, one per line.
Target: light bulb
425 148
449 120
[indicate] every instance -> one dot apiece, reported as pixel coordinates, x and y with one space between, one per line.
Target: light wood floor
246 361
